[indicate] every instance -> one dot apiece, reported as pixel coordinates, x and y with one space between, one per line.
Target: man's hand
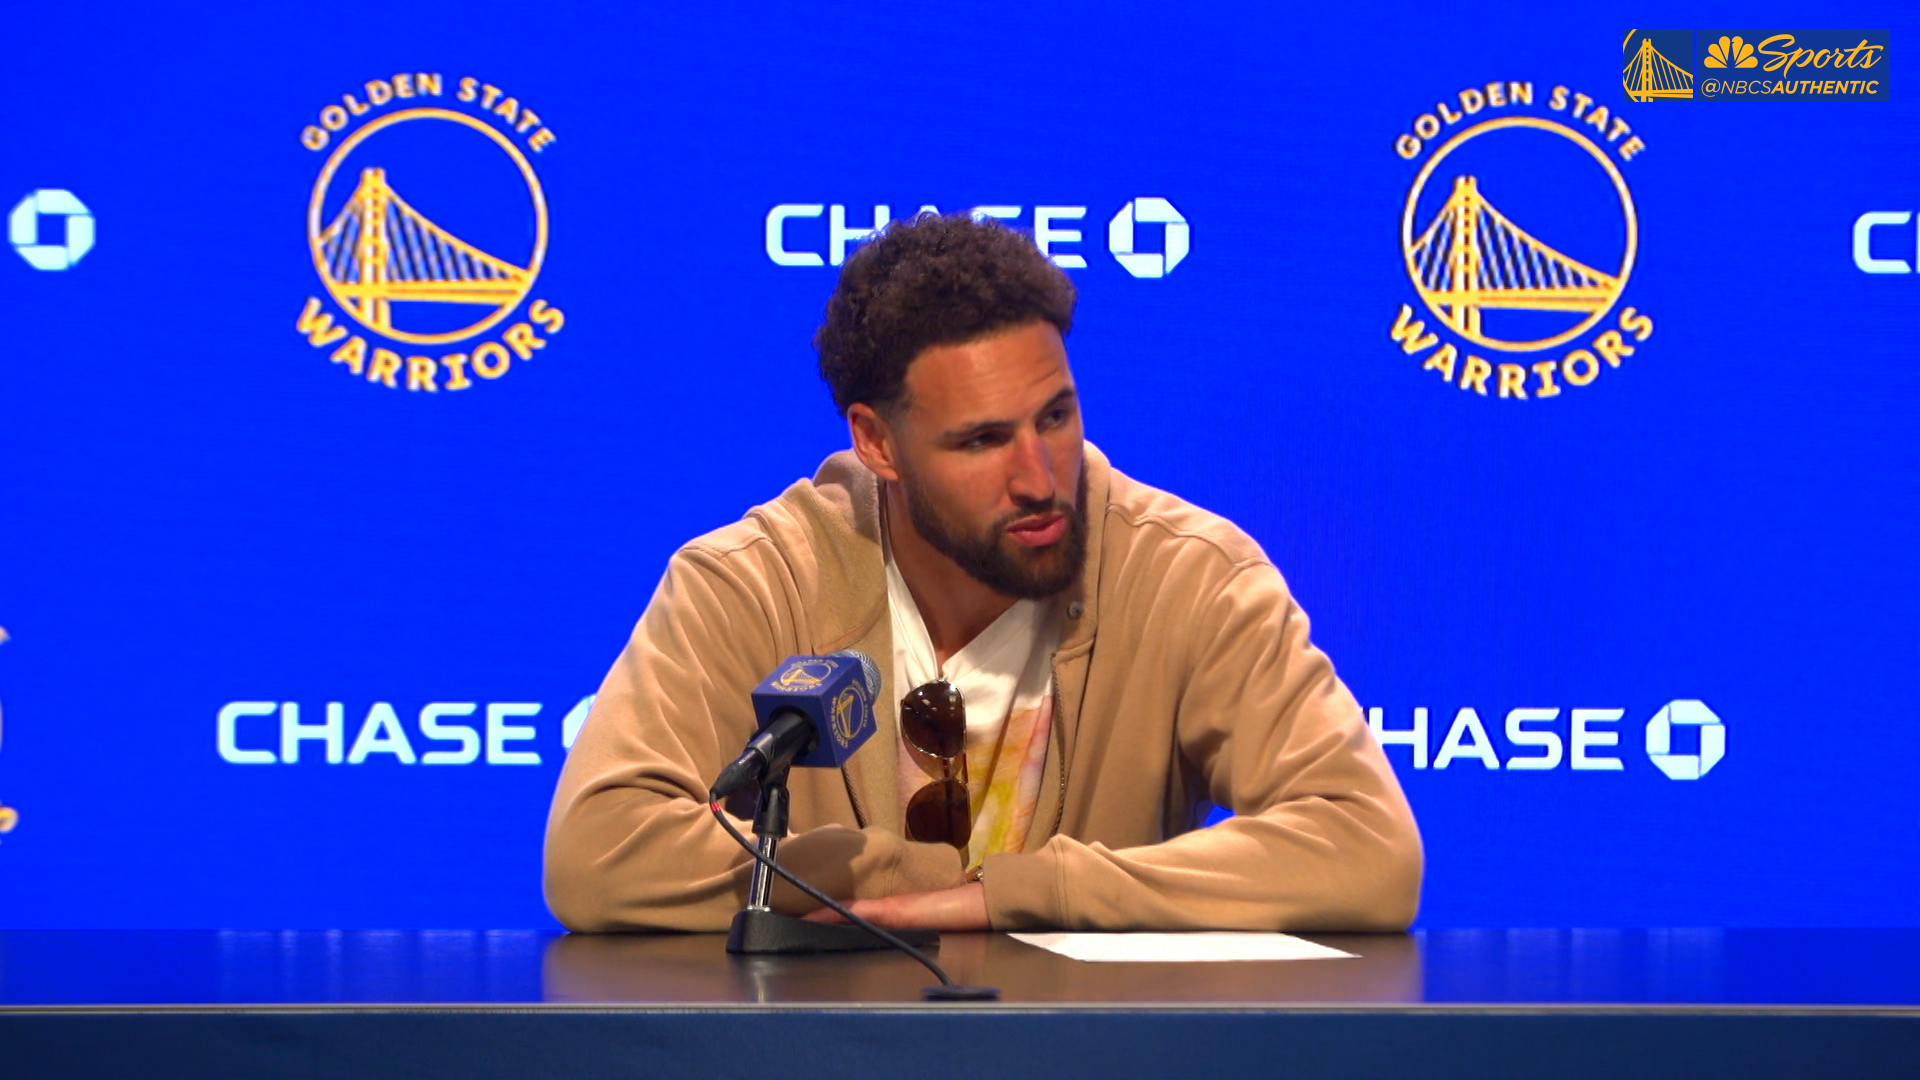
959 909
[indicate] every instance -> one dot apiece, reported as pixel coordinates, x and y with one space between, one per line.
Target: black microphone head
867 666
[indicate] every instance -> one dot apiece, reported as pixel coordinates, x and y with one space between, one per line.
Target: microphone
814 711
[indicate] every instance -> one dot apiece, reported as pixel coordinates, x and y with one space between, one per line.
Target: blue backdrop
208 512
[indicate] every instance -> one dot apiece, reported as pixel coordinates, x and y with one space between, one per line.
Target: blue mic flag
833 692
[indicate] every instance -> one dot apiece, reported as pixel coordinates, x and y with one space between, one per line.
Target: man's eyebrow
974 430
987 427
1066 395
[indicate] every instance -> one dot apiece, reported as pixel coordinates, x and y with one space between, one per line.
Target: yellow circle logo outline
842 714
801 676
361 308
1468 327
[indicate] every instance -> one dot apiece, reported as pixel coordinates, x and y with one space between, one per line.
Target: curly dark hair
930 280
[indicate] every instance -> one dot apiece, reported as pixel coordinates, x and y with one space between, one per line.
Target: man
1084 665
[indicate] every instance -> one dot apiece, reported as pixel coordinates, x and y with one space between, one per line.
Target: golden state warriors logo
845 716
427 228
804 675
1646 73
1519 236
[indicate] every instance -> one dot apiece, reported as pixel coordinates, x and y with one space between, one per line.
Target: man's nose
1030 476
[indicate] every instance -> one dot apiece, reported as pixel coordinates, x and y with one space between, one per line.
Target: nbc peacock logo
427 228
1730 52
1519 236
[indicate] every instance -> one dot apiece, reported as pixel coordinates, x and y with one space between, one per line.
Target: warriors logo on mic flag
813 711
834 692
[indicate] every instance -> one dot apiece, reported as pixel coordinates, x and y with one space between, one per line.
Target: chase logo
51 207
1584 739
1686 713
1518 236
427 228
790 242
804 675
1147 211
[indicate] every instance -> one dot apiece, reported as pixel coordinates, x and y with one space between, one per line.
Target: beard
1003 565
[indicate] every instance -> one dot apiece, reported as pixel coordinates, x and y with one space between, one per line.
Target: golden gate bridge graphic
1650 75
378 249
1472 258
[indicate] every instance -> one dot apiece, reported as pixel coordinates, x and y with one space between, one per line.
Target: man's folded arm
1322 837
631 844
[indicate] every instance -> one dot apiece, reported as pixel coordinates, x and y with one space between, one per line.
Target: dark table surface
1673 970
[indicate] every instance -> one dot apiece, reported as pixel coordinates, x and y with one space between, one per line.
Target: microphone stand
758 930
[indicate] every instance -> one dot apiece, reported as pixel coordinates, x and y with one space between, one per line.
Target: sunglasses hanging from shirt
933 719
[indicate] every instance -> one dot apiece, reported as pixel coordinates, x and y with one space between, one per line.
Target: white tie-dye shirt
1005 675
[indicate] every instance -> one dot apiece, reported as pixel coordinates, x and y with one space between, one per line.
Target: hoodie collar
829 530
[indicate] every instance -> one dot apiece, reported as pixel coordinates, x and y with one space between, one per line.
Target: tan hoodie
1184 679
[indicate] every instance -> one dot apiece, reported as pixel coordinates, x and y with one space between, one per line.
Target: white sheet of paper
1181 948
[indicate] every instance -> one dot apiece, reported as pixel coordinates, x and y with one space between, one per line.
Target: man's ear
873 441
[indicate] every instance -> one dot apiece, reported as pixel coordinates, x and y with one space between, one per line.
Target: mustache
1033 508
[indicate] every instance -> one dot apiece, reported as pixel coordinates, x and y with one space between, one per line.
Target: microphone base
767 933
